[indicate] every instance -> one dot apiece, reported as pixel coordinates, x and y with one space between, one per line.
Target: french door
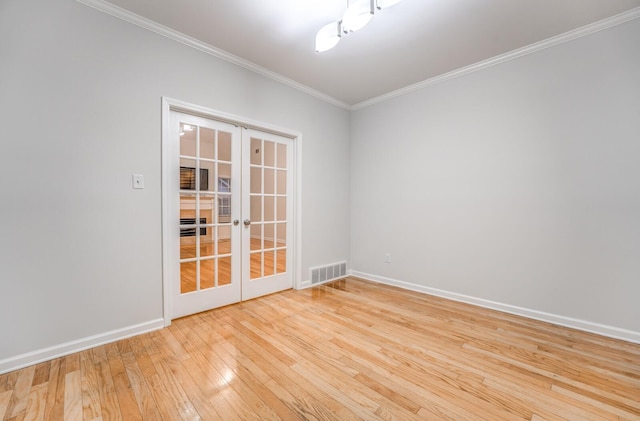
228 194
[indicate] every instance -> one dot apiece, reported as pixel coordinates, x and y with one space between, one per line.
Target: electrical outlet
138 181
387 258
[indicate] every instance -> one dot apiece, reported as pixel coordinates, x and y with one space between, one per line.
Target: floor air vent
328 273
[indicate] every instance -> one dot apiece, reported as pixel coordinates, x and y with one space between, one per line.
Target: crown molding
511 55
172 34
155 27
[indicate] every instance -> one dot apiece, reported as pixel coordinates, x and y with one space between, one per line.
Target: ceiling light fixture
328 37
358 14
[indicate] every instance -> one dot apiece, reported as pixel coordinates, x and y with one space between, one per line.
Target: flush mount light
328 37
358 14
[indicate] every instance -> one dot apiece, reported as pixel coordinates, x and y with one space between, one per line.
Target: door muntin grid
268 208
205 231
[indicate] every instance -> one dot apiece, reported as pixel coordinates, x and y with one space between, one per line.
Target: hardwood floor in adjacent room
344 351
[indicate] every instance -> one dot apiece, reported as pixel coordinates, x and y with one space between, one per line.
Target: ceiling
413 41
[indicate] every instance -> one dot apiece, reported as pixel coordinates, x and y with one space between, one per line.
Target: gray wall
518 184
80 111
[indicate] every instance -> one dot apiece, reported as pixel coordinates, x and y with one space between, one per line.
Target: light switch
138 181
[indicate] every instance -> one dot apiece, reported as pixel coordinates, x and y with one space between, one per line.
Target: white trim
174 35
511 55
597 328
35 357
168 105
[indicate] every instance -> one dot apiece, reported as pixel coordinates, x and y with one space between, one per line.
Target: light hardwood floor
348 350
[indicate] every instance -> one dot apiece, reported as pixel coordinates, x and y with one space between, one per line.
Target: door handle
247 222
236 222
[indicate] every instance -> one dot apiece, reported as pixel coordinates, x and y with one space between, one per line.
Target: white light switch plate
138 181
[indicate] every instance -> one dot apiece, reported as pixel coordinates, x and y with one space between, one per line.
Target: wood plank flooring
345 351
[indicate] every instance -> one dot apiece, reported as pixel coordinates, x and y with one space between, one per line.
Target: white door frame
168 105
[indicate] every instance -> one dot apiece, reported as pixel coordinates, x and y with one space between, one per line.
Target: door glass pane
256 180
224 209
207 176
207 208
188 139
187 243
187 209
206 241
255 261
269 208
207 143
187 174
224 239
224 271
224 146
269 154
256 151
269 181
282 155
269 230
281 261
188 277
188 226
256 237
207 273
281 235
281 203
256 208
269 263
281 182
224 178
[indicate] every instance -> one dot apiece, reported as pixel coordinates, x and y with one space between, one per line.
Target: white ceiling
413 41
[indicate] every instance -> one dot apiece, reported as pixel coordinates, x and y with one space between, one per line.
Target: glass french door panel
281 261
207 273
282 155
256 237
269 181
224 146
269 230
269 259
224 240
188 277
224 271
204 166
281 208
269 208
203 214
281 236
256 151
256 180
207 143
256 265
188 139
267 177
269 153
256 208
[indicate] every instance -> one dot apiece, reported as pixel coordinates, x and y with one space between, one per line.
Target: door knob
247 222
236 221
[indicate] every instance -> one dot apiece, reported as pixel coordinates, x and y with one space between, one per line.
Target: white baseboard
604 330
35 357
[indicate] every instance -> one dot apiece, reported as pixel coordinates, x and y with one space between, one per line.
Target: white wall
518 184
80 111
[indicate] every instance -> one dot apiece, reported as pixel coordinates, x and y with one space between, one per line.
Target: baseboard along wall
583 325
